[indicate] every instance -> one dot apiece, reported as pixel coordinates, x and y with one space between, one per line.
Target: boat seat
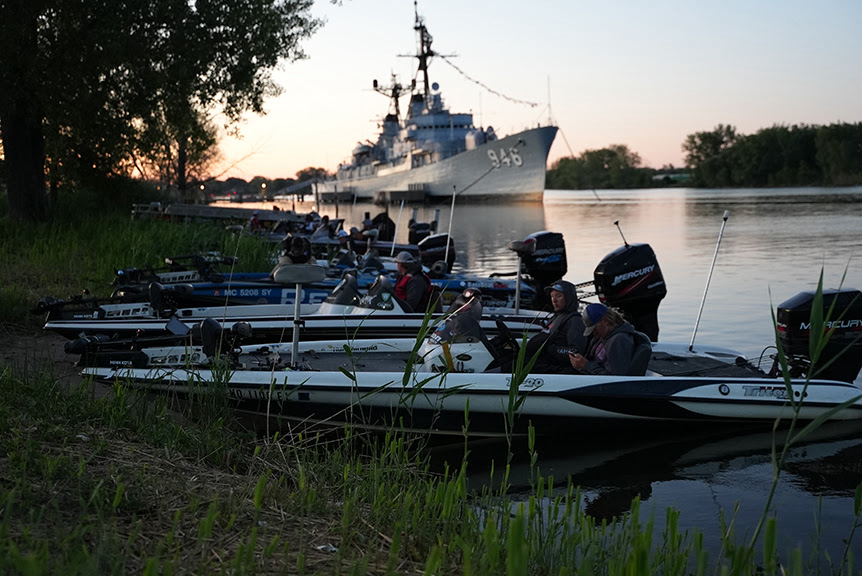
299 274
640 354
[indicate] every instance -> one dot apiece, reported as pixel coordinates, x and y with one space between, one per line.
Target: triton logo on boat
770 391
633 274
724 389
528 382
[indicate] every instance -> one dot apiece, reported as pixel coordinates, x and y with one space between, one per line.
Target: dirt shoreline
29 352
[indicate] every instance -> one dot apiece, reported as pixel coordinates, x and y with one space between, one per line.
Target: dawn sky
643 74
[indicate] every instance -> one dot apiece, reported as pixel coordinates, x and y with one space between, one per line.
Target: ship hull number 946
506 157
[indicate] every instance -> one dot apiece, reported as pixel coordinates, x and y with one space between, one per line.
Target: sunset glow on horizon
641 74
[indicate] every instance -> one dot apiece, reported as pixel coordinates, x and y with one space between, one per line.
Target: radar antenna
393 92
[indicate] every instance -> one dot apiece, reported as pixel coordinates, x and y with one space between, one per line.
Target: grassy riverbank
103 481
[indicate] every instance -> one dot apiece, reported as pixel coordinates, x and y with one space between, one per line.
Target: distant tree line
612 167
777 156
259 185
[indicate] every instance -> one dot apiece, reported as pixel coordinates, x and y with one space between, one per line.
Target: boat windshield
462 319
381 295
346 293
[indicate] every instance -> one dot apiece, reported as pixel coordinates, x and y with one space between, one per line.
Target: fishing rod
397 224
708 278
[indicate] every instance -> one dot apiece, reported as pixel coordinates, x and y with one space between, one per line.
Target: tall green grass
64 256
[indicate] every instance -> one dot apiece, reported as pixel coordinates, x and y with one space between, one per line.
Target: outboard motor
546 262
385 225
418 231
845 344
629 278
543 258
433 248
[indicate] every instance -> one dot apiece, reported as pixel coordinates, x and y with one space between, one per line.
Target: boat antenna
617 224
397 224
449 232
708 278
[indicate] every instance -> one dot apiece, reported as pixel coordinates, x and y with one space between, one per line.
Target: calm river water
775 244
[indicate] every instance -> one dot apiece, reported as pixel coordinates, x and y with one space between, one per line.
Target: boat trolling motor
841 359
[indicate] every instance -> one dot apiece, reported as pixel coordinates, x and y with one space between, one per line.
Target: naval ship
436 153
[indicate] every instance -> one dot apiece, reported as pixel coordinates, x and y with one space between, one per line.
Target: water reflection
702 473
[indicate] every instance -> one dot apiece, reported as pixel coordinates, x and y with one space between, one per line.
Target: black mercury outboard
419 231
543 259
629 278
433 249
844 346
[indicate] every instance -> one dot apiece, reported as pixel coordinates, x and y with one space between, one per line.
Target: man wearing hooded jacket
562 334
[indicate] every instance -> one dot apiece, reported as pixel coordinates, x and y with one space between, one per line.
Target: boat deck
666 364
661 363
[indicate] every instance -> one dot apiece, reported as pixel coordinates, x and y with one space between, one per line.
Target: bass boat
454 380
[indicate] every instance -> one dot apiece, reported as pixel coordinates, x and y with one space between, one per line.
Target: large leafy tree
706 154
839 153
613 167
99 88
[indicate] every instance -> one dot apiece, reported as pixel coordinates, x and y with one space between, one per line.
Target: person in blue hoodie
564 332
612 343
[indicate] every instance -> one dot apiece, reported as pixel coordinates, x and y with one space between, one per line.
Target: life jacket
401 290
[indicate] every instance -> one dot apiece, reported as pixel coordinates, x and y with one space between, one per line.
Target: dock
205 212
415 194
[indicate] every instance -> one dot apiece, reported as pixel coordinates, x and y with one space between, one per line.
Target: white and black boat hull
449 403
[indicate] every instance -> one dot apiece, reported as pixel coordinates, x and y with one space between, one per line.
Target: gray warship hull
512 167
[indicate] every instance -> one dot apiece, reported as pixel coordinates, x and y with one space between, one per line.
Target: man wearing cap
413 285
323 230
564 332
612 345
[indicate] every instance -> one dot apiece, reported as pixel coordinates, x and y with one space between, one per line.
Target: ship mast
425 52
